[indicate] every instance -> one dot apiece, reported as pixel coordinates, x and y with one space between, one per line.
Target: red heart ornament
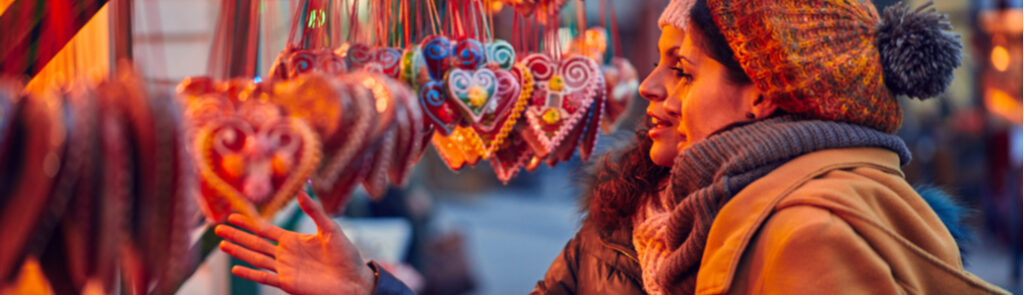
561 98
245 165
342 113
510 156
436 55
434 103
358 55
514 89
389 60
472 92
410 133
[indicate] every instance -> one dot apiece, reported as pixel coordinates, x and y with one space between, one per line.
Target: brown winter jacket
595 261
841 221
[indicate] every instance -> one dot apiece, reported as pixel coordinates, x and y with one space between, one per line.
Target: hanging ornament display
400 79
251 157
509 101
294 62
33 145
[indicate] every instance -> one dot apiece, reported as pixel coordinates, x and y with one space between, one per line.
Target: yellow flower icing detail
477 96
556 83
551 116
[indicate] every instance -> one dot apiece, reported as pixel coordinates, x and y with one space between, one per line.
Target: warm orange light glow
30 280
1002 104
85 59
1000 58
4 4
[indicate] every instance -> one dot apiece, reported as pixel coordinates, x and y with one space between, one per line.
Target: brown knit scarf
707 175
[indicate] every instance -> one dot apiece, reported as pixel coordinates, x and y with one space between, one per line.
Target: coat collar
761 196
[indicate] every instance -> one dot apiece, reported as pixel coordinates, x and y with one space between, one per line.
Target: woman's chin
662 155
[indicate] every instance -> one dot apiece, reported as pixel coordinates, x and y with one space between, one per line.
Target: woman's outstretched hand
321 263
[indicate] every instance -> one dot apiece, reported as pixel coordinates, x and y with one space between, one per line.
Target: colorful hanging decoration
251 156
32 147
405 77
562 95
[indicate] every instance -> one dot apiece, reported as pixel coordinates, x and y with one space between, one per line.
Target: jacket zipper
620 250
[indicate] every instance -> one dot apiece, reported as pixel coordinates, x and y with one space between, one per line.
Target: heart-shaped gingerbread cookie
563 93
251 161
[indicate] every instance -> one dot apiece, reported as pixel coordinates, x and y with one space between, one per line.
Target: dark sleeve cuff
387 284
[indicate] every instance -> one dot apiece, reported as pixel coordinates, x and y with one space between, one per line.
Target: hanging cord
353 22
515 31
435 19
490 20
615 33
408 24
581 24
471 17
153 24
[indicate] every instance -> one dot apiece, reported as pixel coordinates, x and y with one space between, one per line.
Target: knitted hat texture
836 59
676 14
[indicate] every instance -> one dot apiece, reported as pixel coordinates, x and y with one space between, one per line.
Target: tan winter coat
840 221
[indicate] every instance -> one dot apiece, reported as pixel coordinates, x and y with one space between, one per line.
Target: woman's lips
659 126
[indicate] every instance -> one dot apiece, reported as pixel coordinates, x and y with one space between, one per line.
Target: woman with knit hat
785 178
788 176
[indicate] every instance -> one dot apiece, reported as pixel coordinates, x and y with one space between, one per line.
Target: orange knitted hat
836 59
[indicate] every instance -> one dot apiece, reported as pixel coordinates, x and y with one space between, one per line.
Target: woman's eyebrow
671 51
679 54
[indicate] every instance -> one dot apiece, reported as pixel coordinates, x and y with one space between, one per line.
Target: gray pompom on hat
919 51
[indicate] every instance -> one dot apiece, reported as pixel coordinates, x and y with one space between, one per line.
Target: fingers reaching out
261 277
324 223
259 227
245 239
252 257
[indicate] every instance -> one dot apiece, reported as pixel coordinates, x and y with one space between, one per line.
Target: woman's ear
757 106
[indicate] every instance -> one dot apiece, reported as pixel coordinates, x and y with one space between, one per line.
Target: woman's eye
681 73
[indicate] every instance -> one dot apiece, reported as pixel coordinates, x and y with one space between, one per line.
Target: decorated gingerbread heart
382 149
410 133
293 62
501 54
344 150
468 54
389 60
321 60
358 55
510 156
510 99
246 164
440 114
472 91
434 103
436 55
563 92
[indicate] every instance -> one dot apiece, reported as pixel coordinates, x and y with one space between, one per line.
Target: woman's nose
652 89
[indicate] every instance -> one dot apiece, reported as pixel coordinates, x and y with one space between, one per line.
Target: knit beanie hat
677 14
836 59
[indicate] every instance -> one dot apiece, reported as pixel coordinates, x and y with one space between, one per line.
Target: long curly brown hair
622 180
